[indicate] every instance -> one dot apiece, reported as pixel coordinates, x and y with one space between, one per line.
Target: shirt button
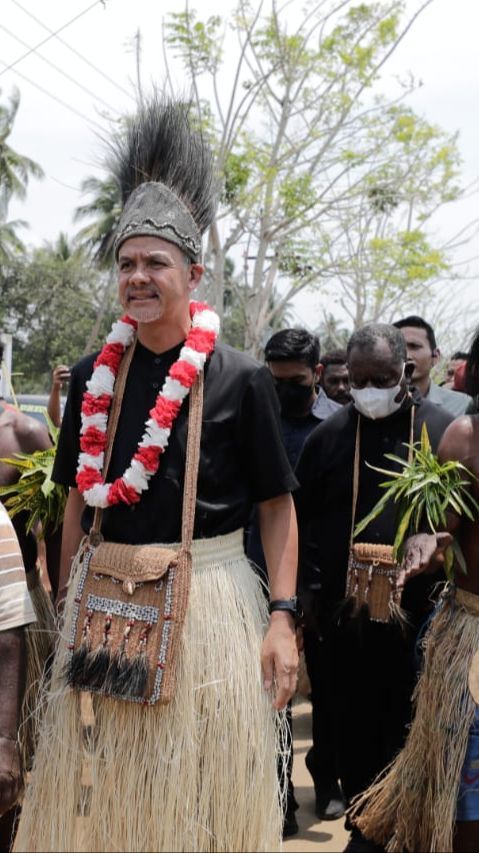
157 360
155 385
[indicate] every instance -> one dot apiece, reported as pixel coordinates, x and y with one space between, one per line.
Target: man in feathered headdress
115 768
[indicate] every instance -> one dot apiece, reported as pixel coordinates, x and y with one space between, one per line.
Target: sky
63 134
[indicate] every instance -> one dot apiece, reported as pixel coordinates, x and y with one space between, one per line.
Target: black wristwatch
290 605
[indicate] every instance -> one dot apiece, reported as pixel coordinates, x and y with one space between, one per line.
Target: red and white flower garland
97 399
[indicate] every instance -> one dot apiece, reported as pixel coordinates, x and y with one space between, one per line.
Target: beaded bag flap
372 580
131 600
129 612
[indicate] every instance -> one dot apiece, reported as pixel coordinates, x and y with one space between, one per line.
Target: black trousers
373 677
324 755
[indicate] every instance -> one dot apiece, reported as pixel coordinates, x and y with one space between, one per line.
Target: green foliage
15 171
424 491
15 168
196 42
49 300
35 492
295 192
236 173
105 208
404 260
325 183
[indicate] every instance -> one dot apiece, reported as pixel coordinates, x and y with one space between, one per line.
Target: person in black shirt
293 357
199 772
370 664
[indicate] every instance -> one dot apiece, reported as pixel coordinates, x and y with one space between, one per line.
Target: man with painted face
370 664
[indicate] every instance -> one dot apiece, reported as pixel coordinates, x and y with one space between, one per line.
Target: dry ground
320 836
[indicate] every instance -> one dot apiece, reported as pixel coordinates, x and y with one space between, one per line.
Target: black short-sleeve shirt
243 460
324 497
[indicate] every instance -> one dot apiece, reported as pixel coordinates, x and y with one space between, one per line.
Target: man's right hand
61 375
11 782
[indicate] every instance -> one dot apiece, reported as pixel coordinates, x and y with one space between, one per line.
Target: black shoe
330 803
330 800
358 843
290 824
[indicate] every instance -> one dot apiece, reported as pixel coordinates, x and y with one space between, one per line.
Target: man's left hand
279 658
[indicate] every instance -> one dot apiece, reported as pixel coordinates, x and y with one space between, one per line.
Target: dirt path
320 836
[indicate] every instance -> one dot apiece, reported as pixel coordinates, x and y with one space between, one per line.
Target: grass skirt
412 806
39 643
198 774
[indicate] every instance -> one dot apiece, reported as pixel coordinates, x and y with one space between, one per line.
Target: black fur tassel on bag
116 674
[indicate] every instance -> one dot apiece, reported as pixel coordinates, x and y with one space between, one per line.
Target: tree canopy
15 171
326 182
49 300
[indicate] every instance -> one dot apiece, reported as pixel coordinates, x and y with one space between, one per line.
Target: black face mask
293 398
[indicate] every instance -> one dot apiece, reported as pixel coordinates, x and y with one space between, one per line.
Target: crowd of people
166 717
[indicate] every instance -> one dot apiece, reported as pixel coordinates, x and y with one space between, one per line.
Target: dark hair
293 345
367 337
459 356
472 368
334 356
416 322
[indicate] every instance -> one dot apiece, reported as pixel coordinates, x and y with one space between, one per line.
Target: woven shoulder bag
131 600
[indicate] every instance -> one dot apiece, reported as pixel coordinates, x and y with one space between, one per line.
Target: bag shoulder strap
356 464
192 449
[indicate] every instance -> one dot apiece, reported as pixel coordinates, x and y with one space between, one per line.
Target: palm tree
10 243
105 206
15 168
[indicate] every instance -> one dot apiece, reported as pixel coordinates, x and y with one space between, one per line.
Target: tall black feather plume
160 144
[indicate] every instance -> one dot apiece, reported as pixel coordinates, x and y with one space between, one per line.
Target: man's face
419 351
335 382
376 369
295 383
154 279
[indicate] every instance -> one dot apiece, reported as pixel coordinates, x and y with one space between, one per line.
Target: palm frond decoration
424 491
35 492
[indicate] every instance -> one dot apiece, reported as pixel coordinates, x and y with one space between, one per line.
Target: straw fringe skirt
412 806
198 774
39 642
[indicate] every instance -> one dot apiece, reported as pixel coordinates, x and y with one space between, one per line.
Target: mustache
144 290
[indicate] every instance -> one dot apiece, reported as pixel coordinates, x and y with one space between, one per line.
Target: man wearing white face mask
371 662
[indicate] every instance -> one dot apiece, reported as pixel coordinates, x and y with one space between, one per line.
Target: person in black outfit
368 667
293 357
209 767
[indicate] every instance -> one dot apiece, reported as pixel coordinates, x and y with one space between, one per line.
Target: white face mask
377 402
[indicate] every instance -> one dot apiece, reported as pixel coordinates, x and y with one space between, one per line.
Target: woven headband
153 210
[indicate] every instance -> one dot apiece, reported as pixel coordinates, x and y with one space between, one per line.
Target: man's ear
195 275
436 355
409 370
318 372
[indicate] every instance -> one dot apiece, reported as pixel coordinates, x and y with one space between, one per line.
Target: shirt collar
323 406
